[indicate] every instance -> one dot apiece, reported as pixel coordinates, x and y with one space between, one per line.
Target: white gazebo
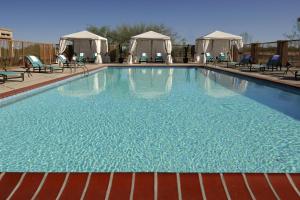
215 43
85 42
151 43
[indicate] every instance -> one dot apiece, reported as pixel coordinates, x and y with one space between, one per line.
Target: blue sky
47 20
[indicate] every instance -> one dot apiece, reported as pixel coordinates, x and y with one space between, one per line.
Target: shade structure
150 43
215 43
85 42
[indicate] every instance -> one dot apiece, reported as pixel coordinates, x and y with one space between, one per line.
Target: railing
12 52
294 52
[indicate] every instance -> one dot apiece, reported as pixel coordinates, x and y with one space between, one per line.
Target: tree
247 38
121 34
295 33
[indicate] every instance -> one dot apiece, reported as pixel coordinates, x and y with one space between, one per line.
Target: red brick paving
144 186
260 187
75 185
121 186
282 186
213 186
51 186
97 186
236 186
190 186
28 186
167 186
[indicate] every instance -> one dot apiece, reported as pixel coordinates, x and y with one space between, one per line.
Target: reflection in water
85 87
220 85
150 83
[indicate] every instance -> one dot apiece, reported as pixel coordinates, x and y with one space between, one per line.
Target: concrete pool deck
149 186
12 87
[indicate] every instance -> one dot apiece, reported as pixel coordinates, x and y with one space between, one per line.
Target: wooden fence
289 50
13 52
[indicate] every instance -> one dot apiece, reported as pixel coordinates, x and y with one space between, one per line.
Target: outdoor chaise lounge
274 63
94 57
222 57
246 60
143 58
159 58
36 64
209 58
11 75
62 58
293 69
80 60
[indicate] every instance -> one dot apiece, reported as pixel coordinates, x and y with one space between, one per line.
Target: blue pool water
153 119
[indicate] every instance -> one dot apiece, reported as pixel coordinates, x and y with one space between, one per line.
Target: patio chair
143 58
209 58
36 64
222 57
94 57
62 58
81 60
246 60
159 58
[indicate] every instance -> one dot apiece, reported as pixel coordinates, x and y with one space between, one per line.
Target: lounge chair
294 70
143 58
36 64
274 63
246 60
94 57
62 59
222 57
159 58
209 58
81 60
11 75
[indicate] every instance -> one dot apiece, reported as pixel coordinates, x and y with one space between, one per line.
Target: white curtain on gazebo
150 43
168 44
62 46
131 50
98 48
85 42
215 43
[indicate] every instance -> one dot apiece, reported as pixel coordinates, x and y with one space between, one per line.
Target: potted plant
121 59
185 59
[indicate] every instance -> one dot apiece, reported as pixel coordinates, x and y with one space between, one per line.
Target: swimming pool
153 119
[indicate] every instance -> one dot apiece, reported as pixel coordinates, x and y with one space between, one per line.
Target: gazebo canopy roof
151 35
83 35
219 35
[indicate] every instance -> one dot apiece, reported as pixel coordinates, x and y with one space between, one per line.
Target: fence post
282 50
254 52
23 56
